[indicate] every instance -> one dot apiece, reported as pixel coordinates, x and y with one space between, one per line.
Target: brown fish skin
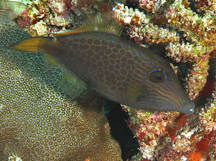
119 70
37 118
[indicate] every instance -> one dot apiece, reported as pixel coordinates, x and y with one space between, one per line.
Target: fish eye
157 76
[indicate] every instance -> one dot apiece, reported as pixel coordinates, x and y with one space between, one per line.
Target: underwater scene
107 80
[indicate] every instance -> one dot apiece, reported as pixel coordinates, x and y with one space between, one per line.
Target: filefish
38 120
119 70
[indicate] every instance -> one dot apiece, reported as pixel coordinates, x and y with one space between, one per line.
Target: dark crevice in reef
119 129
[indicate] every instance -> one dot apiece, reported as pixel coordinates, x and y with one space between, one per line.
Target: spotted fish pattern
38 119
118 69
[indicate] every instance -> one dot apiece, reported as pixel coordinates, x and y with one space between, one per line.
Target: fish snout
189 107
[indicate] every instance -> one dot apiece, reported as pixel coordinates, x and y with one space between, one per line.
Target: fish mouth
189 108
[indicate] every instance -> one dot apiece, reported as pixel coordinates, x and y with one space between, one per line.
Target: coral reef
47 17
168 135
147 29
46 113
119 129
186 30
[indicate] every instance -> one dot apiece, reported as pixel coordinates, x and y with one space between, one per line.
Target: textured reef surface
184 32
41 118
46 113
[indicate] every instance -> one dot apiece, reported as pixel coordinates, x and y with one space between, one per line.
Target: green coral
39 118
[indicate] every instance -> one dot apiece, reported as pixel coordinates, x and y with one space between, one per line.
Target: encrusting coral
186 30
198 32
41 118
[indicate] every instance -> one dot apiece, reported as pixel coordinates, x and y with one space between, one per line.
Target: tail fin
35 44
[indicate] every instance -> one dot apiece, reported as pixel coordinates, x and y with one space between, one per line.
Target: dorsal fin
101 22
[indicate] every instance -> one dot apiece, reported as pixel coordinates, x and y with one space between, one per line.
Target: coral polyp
194 51
39 119
46 112
186 30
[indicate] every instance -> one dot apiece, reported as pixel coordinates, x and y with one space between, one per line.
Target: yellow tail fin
35 44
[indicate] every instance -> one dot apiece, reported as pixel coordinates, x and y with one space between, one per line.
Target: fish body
37 118
116 68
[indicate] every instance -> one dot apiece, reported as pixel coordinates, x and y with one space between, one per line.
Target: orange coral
195 156
203 145
87 159
181 120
